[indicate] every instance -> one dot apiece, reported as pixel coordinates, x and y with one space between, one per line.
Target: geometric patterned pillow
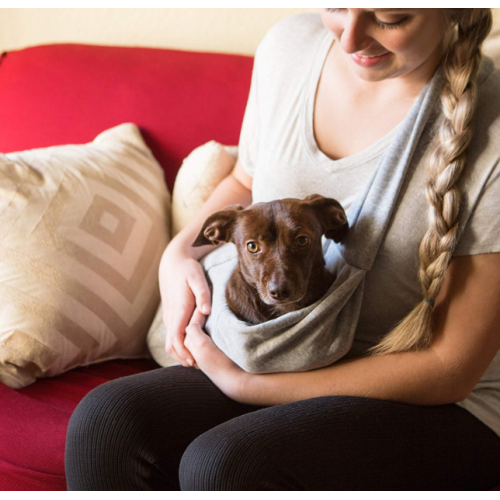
82 232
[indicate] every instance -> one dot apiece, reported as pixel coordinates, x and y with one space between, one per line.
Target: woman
327 97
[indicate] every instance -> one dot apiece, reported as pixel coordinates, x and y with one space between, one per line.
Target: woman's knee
225 458
149 418
101 430
126 408
100 412
121 425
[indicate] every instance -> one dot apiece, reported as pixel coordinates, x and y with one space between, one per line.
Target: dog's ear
330 214
218 227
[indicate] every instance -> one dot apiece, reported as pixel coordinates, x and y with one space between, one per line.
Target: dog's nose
279 291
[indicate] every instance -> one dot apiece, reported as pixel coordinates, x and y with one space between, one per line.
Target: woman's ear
330 214
218 227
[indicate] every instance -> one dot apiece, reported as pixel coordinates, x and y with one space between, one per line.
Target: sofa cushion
82 232
69 93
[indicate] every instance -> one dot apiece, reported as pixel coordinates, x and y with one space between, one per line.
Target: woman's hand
223 372
182 286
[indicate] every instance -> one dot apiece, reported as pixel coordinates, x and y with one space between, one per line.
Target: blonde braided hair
444 166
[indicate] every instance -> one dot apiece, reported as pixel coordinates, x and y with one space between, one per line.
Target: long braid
444 167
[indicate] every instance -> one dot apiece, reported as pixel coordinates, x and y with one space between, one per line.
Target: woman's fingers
170 349
176 330
199 286
183 288
187 357
198 320
195 334
179 352
198 317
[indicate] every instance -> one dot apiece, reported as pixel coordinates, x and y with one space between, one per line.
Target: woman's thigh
345 443
130 433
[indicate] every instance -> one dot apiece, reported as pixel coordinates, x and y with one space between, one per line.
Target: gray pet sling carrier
320 334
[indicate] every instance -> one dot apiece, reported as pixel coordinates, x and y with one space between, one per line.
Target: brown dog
280 260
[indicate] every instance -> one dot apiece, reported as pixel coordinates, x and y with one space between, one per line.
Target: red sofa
61 94
68 94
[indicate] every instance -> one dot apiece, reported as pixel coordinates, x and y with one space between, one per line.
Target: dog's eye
252 247
302 241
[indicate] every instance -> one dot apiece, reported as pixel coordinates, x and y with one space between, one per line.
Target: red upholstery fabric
33 423
63 94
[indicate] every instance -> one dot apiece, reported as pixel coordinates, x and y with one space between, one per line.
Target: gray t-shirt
277 148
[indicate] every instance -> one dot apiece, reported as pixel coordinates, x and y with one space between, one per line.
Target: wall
237 31
214 30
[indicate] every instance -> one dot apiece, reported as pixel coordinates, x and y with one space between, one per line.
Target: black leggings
172 428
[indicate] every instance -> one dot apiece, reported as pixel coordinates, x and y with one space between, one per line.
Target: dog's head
278 242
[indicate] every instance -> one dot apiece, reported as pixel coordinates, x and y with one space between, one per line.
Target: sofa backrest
69 93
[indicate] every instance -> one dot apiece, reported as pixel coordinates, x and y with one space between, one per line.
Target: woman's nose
355 37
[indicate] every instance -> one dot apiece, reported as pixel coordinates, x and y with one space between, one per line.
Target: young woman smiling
329 94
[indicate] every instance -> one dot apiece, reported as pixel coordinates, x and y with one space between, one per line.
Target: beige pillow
156 341
198 176
82 231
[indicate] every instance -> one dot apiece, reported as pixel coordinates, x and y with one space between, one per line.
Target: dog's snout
279 291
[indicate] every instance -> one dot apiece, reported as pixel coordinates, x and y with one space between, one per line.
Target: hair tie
431 302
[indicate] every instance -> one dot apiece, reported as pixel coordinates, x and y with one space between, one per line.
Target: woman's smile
368 61
382 44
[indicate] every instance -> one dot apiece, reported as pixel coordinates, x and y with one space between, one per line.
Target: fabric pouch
320 334
309 338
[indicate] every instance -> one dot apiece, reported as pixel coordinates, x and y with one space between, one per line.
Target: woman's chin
373 74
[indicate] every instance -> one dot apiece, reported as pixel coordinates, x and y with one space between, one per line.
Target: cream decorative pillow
198 176
156 341
82 231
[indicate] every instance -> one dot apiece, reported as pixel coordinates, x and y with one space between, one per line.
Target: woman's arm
467 337
183 284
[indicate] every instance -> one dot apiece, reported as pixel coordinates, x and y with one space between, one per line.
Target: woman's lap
345 443
133 433
130 433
